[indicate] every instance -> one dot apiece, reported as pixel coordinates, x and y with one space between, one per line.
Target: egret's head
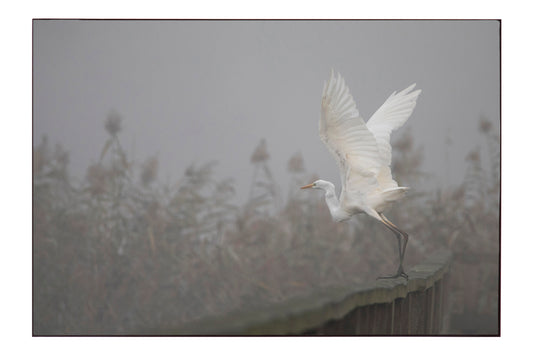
319 184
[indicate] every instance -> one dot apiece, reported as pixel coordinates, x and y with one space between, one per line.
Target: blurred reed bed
122 253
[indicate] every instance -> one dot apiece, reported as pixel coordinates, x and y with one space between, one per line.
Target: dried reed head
296 163
260 154
485 126
113 123
473 156
404 143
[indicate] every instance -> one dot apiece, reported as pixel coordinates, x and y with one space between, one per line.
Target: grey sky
195 91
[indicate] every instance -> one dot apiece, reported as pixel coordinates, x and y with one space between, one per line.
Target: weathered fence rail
387 307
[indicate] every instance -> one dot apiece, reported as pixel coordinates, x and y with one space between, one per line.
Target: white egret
363 154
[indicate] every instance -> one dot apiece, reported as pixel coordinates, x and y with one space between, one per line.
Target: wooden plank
417 313
401 317
430 307
382 319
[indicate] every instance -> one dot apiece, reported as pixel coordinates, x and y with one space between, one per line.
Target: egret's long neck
337 213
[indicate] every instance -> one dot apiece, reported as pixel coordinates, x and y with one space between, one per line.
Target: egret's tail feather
393 194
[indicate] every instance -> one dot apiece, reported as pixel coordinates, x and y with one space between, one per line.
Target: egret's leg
401 246
404 235
398 237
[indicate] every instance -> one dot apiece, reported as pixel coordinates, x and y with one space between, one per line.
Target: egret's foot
400 273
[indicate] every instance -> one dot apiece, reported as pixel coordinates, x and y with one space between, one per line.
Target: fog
196 91
168 156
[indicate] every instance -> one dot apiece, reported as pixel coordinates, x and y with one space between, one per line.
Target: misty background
196 91
168 156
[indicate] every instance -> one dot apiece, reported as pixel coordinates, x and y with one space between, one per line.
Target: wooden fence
417 306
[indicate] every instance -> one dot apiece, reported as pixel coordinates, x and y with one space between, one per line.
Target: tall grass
122 253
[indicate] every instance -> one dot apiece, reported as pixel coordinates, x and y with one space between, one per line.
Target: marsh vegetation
121 251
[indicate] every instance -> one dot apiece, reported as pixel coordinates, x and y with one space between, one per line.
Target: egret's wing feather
390 116
345 134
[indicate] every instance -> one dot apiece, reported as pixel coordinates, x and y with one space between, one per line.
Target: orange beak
307 186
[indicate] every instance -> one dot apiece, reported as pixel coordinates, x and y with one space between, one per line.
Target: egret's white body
363 154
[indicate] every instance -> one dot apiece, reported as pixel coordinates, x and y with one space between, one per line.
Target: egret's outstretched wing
345 134
390 116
